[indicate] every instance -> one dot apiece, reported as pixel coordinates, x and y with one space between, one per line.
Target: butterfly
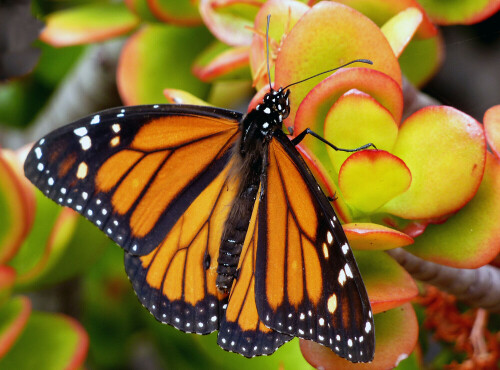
223 225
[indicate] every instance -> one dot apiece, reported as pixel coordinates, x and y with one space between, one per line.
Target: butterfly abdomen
247 154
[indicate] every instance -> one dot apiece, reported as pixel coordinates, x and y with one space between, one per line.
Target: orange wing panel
114 168
307 283
180 169
178 278
241 330
175 131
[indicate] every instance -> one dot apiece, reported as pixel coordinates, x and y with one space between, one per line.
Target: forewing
133 171
307 283
241 330
176 281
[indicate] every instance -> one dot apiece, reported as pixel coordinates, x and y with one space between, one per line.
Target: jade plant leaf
145 70
64 344
329 49
387 283
455 145
16 207
14 315
369 236
460 11
469 238
370 178
88 23
492 129
179 12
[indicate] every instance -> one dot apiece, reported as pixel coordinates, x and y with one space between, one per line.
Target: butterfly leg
301 136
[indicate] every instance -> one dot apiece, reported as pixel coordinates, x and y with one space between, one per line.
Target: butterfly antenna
267 45
366 61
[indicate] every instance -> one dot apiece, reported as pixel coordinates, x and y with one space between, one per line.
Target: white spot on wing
368 327
325 251
85 142
331 304
342 277
95 120
329 237
38 152
345 248
81 131
81 173
116 127
348 271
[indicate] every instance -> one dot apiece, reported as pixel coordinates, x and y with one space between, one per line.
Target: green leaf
48 341
180 12
460 11
469 238
14 315
159 57
16 210
88 23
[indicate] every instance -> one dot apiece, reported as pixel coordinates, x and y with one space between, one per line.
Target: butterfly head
274 108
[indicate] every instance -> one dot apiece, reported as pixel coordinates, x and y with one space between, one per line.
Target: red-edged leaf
381 11
468 239
368 236
284 15
16 206
14 315
88 23
7 278
141 9
305 52
446 166
387 283
492 128
145 69
180 12
400 29
370 178
51 342
230 21
222 62
72 245
460 11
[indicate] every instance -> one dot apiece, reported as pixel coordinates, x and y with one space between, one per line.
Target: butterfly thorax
257 128
267 117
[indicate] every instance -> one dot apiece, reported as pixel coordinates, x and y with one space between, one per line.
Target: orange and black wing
307 283
134 171
155 180
176 281
241 329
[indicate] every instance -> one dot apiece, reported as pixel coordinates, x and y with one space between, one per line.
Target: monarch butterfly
223 225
